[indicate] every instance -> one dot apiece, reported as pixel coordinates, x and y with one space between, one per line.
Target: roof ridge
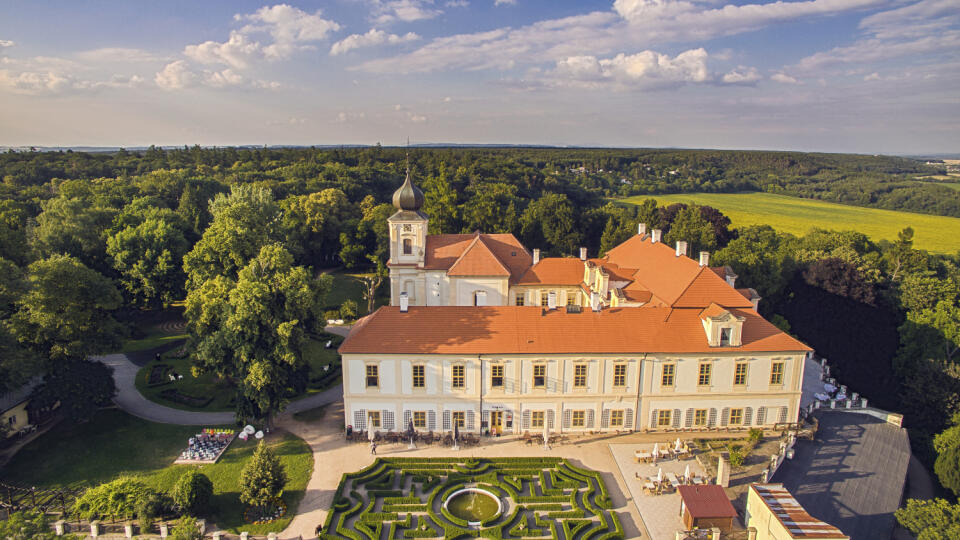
494 253
473 244
690 284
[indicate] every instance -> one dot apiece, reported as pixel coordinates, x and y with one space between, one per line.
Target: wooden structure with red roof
706 506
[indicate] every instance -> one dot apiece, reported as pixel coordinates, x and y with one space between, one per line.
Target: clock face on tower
407 228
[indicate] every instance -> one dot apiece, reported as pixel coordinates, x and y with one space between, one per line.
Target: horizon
838 76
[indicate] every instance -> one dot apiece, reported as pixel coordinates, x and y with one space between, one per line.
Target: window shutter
431 420
387 420
485 419
407 418
653 419
360 420
446 420
688 420
783 415
526 419
712 417
550 416
747 415
471 420
725 417
628 419
566 419
590 415
675 419
761 415
605 418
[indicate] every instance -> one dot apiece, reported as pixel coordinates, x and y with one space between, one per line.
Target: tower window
407 246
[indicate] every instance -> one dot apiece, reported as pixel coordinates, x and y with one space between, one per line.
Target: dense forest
243 235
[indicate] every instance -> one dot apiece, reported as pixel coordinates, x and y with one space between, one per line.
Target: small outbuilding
706 506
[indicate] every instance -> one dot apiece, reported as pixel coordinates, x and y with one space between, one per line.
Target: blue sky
872 76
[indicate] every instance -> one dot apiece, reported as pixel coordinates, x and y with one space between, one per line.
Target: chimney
731 279
404 302
642 229
552 300
704 258
583 254
681 248
536 255
655 235
595 301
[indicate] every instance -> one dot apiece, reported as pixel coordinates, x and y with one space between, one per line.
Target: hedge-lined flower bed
542 496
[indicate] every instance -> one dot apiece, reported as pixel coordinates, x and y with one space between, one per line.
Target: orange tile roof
532 330
554 271
707 288
706 501
713 310
442 252
478 260
659 269
798 522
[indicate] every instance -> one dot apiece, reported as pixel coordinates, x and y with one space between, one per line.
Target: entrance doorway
496 422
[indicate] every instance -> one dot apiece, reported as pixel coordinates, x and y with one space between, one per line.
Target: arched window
407 246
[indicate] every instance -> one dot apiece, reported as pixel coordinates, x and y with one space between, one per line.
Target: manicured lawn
795 215
311 415
115 443
351 286
207 384
151 342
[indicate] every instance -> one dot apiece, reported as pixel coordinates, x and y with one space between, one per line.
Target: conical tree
262 479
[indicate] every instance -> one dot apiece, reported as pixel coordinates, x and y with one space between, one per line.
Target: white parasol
546 436
656 450
370 433
686 473
678 445
659 475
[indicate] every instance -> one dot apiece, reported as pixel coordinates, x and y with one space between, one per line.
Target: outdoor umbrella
456 434
659 475
686 473
546 435
370 433
678 446
656 450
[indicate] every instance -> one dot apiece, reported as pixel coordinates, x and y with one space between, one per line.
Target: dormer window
407 246
726 334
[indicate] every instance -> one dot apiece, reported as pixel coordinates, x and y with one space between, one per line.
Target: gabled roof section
442 251
713 311
659 270
707 288
554 271
478 260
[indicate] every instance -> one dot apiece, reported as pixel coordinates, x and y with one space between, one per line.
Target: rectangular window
539 375
700 417
420 419
725 336
572 299
736 417
579 418
536 419
619 375
703 379
520 298
459 379
459 419
496 376
419 379
374 419
373 376
740 374
407 246
544 299
580 376
616 418
776 373
669 373
663 417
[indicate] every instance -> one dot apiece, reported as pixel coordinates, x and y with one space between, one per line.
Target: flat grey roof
851 475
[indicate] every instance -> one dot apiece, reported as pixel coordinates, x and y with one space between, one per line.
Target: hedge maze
396 498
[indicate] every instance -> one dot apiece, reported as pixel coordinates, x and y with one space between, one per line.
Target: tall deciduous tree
935 519
761 257
74 226
492 208
254 329
149 257
690 226
551 219
440 203
243 222
67 310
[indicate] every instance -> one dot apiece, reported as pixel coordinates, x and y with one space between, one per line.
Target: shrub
122 498
755 435
348 309
192 492
736 455
186 529
331 315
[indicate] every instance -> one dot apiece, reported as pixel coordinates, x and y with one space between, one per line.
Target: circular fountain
474 505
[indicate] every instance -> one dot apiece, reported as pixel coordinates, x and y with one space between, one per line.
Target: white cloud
646 69
344 116
457 3
872 77
372 38
418 118
6 43
116 55
286 29
175 76
742 75
388 11
783 78
504 2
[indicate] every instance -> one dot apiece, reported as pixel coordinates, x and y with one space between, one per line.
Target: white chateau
482 334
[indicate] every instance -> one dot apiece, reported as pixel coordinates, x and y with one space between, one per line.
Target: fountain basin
474 505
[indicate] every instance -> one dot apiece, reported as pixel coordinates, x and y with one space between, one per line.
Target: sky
866 76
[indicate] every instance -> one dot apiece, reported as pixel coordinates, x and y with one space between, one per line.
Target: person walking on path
373 449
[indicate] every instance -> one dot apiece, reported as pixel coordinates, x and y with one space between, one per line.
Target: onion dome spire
408 197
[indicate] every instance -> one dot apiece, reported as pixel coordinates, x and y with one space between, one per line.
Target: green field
794 215
114 443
